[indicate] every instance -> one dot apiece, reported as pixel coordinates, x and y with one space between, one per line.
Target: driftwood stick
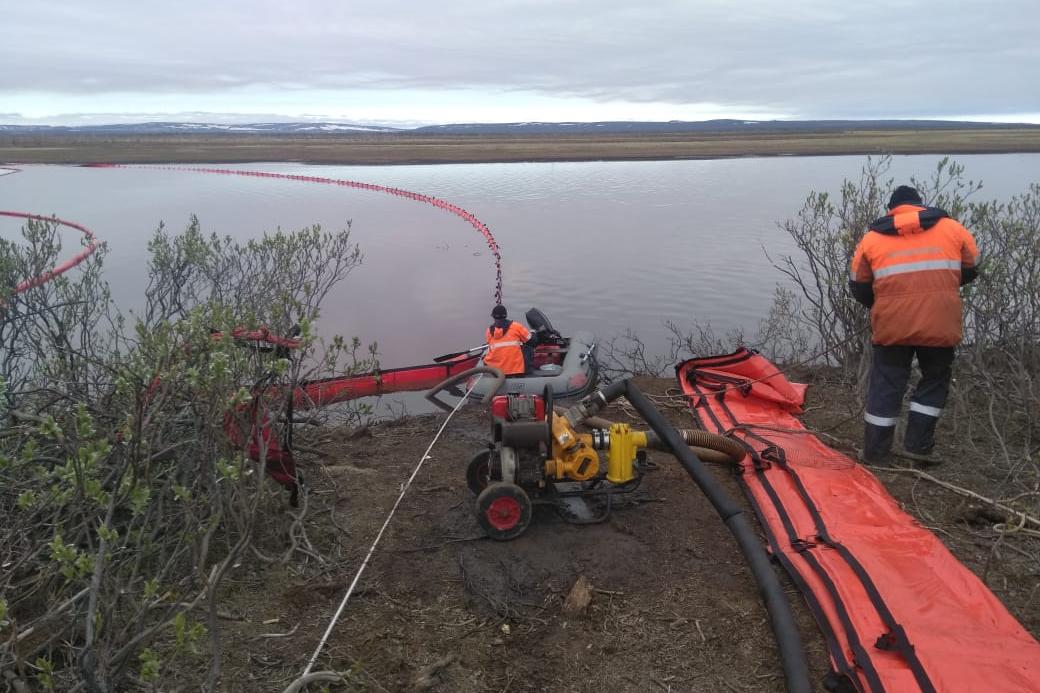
1020 516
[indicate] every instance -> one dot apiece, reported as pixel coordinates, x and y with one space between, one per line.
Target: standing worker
505 340
908 269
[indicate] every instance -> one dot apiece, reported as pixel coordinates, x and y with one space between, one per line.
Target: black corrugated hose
788 639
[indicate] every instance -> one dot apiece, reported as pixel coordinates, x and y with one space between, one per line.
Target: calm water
602 246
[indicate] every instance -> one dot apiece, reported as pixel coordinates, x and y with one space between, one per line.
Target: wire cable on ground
379 536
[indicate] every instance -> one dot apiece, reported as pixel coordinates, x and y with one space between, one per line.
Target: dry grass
410 149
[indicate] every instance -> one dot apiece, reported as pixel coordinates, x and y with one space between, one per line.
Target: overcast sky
418 62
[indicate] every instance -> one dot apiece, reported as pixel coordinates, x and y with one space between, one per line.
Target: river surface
600 246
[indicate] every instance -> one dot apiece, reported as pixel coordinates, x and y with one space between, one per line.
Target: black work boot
877 445
872 461
921 459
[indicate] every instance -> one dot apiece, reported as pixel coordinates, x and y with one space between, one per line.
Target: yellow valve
573 456
563 435
580 463
624 443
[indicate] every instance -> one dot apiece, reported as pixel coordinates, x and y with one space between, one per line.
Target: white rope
386 523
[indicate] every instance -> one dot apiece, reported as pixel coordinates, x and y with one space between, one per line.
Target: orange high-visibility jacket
914 259
504 351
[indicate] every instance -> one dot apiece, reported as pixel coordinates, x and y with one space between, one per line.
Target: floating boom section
320 393
471 219
91 244
898 612
325 391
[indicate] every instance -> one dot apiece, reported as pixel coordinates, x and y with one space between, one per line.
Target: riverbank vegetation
439 149
992 417
127 509
996 391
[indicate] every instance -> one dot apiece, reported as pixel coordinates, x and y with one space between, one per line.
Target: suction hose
709 447
788 639
496 384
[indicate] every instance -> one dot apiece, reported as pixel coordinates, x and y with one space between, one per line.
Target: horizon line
274 119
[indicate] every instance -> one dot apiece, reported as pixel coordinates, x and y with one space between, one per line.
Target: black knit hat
498 312
904 195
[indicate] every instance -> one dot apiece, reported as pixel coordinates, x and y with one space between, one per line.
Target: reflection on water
600 246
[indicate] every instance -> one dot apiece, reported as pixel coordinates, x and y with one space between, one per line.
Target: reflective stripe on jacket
504 352
914 259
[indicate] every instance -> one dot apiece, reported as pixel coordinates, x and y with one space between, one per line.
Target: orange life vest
913 259
504 352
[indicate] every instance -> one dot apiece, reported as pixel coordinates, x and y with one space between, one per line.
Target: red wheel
503 510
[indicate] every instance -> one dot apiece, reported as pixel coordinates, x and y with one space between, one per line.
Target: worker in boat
506 339
908 269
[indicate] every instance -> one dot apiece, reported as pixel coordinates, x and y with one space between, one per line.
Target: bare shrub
627 354
995 399
999 363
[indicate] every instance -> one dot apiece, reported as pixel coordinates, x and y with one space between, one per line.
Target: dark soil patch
441 608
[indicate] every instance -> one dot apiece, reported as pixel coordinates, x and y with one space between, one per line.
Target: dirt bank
442 609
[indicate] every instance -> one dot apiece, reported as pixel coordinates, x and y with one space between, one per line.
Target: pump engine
535 456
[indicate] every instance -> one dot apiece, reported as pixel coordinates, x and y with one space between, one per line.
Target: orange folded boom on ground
898 611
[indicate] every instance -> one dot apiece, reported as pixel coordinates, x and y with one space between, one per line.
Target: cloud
813 59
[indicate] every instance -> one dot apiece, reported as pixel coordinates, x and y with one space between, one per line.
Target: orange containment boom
897 610
320 393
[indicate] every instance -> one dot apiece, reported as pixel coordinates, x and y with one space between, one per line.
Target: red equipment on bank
265 443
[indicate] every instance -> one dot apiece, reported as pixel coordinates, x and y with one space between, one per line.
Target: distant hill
527 128
159 128
705 126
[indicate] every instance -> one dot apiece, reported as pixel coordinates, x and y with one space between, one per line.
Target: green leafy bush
125 502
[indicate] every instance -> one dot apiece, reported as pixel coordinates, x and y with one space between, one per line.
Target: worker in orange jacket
908 269
505 340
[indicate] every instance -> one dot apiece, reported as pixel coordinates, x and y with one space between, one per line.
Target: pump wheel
503 510
478 473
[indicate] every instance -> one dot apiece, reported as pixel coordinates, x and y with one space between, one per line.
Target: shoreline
384 150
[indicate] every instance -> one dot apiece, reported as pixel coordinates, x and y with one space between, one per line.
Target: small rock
360 432
985 515
579 597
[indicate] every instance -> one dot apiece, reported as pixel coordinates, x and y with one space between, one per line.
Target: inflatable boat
566 364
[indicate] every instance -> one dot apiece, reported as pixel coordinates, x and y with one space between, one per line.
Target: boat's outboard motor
544 333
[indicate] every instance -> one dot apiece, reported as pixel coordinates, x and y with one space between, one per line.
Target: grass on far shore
415 149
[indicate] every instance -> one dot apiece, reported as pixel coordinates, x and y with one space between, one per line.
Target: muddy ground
440 608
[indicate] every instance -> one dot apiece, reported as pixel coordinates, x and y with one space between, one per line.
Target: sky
412 62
